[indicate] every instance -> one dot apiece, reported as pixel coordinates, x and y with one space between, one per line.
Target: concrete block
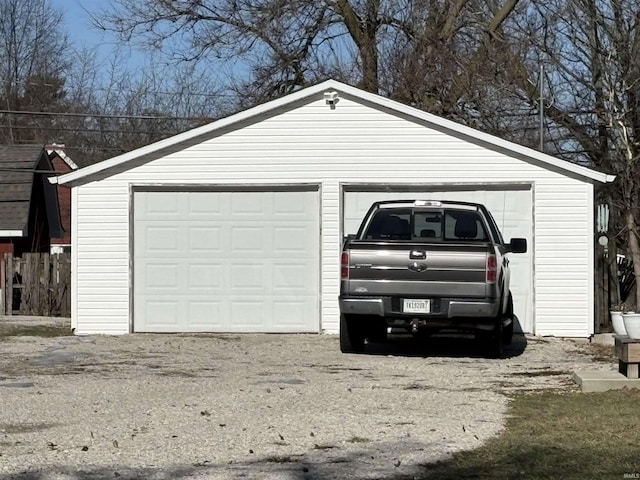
602 381
603 338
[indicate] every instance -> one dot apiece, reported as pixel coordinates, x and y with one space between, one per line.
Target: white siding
564 259
352 144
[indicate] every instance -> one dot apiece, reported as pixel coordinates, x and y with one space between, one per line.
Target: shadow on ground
442 345
535 462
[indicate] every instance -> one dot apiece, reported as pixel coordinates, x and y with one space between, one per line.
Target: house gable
312 94
29 212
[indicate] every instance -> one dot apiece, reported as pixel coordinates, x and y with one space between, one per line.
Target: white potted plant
617 320
631 322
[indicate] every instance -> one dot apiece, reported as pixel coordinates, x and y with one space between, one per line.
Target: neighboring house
62 164
29 212
237 226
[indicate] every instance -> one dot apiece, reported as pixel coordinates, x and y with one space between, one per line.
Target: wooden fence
36 284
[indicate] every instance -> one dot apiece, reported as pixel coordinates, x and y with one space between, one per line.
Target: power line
101 115
85 130
134 90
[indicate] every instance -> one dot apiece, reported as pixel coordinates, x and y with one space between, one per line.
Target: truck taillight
344 265
492 269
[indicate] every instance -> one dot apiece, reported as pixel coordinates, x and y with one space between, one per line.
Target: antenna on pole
541 107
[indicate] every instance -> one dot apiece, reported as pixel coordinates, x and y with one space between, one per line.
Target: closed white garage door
510 206
226 261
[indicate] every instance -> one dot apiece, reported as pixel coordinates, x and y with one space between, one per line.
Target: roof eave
562 165
14 233
197 132
63 156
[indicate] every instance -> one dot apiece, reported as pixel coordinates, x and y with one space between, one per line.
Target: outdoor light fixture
602 224
331 99
603 218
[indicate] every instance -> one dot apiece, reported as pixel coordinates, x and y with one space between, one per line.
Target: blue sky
78 23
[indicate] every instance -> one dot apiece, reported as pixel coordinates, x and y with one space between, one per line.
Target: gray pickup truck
426 266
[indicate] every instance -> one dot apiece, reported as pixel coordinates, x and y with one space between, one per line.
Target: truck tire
351 334
507 332
495 340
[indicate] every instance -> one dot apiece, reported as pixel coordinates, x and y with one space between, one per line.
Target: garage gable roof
376 101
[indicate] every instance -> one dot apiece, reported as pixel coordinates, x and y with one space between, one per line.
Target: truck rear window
429 225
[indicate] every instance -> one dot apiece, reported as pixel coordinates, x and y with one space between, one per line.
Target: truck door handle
417 255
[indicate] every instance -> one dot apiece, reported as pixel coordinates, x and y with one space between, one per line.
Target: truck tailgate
417 269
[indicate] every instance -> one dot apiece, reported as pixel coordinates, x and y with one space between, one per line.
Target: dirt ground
259 406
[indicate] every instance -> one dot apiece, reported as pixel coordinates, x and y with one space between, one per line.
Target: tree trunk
363 33
634 246
369 56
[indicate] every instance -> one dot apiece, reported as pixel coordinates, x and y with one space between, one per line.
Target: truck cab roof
426 204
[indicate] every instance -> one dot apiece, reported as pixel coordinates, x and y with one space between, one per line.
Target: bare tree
33 50
590 50
285 44
114 110
453 49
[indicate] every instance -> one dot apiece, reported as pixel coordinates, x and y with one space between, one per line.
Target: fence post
54 283
39 284
3 286
46 284
8 286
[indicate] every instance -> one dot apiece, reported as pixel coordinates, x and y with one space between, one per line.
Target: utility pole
541 107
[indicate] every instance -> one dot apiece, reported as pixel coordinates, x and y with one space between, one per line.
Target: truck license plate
416 306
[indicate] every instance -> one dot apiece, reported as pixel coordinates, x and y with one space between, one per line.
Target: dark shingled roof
17 166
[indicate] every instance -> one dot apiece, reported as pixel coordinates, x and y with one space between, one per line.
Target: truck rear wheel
507 332
351 334
496 340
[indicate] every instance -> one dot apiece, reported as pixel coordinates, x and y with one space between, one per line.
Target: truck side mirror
348 238
517 245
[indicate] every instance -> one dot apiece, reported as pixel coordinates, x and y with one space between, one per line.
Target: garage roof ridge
357 93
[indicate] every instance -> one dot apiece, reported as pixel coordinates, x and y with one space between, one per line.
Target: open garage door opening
511 206
226 260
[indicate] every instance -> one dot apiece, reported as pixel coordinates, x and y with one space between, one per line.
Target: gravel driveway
256 406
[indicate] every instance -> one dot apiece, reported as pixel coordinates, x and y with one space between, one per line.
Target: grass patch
279 459
34 331
549 435
357 439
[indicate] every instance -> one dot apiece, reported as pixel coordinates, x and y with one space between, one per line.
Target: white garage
237 226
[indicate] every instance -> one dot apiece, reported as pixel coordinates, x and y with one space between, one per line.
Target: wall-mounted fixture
331 98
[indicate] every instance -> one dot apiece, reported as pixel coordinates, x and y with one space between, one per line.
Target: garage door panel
158 239
249 204
292 278
291 313
204 277
512 210
294 208
251 315
291 240
159 208
163 312
204 239
161 275
248 278
203 314
201 205
249 241
234 267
